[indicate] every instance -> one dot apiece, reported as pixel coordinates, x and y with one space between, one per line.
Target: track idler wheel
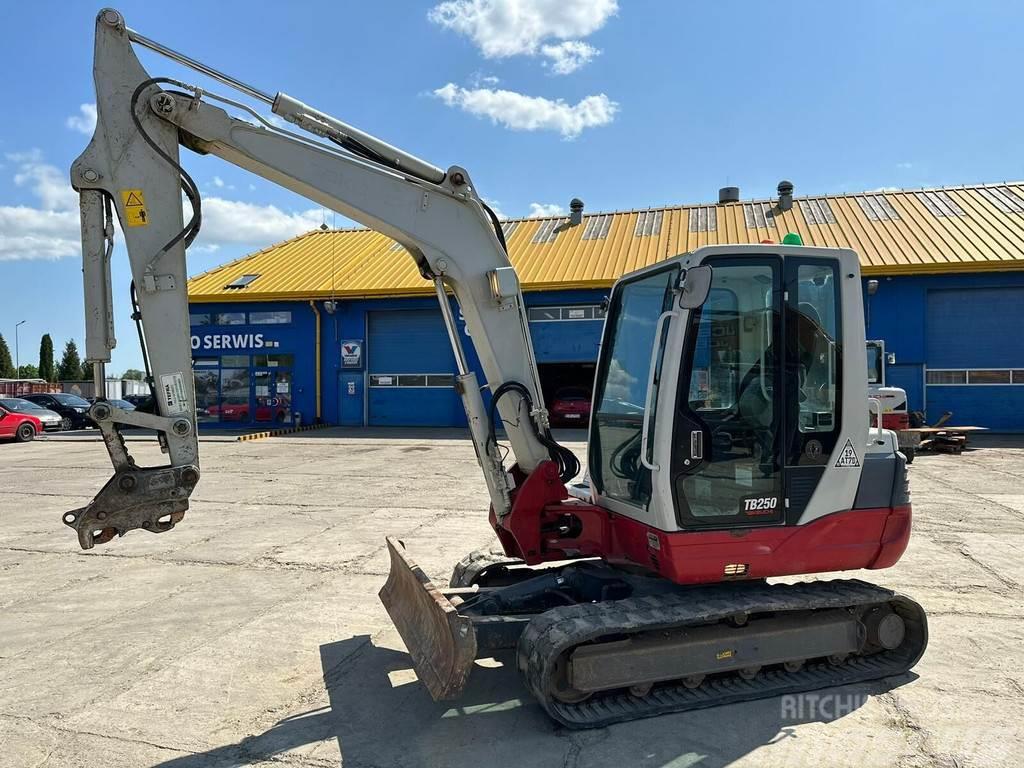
886 628
560 688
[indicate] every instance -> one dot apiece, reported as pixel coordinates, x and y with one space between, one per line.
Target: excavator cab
729 413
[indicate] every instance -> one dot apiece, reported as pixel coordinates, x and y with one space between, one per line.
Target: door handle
697 445
646 423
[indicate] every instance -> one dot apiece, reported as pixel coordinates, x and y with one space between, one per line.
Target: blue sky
625 105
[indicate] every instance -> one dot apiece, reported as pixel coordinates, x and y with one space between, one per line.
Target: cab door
727 467
758 409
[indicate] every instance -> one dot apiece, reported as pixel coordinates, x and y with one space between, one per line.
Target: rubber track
557 631
472 565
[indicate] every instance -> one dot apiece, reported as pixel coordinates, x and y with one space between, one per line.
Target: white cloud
569 56
234 221
47 183
530 113
478 79
502 28
51 230
544 210
218 181
30 233
904 166
884 189
85 121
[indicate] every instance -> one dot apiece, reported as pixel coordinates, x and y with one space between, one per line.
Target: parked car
124 405
137 400
51 420
267 409
571 406
21 427
71 407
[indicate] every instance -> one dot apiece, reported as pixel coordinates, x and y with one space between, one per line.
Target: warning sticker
848 458
172 390
135 213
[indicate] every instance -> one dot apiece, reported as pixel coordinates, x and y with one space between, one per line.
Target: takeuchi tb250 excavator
729 443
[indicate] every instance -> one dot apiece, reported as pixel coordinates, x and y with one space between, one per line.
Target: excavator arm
131 169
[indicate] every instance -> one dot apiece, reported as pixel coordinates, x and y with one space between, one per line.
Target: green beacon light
792 238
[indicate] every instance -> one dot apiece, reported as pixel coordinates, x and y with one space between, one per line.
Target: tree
86 371
6 364
70 368
28 371
46 358
133 374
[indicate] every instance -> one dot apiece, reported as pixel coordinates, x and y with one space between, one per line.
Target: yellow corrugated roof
948 229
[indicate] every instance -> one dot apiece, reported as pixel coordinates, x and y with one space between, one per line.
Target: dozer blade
442 643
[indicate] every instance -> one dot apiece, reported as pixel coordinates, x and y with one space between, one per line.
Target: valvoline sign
352 353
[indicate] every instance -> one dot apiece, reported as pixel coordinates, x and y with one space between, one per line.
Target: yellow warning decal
135 213
724 655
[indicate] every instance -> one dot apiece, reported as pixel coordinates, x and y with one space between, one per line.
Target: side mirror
695 284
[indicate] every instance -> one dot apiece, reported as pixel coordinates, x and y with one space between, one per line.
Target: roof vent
575 212
785 190
240 282
728 195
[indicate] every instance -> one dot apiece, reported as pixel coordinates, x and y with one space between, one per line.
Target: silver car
51 420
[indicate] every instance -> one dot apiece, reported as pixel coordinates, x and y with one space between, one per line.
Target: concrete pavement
252 634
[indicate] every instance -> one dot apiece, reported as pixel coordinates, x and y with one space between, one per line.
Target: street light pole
17 353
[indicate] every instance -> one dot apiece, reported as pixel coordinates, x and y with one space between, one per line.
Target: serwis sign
230 341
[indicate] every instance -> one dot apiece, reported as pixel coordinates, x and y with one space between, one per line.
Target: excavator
730 440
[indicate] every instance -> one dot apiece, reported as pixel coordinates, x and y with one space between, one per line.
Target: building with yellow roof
339 326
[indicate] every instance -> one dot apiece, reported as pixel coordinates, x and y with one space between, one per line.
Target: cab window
621 393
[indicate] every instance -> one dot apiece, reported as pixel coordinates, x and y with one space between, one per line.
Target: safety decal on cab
135 214
848 458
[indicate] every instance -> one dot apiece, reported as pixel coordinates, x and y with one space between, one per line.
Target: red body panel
11 420
570 412
896 421
545 525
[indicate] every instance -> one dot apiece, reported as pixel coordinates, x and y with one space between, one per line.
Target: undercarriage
598 644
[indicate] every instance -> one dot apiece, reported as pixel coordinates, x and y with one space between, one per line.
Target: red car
571 407
18 426
273 409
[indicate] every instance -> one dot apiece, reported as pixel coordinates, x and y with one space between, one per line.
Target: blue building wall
554 342
897 313
211 341
964 330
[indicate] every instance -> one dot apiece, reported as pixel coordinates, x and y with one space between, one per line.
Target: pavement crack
82 732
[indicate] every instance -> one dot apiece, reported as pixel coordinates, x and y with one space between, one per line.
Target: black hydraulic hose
497 226
137 317
191 229
567 462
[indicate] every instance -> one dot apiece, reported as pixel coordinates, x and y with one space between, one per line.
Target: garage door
976 357
411 371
